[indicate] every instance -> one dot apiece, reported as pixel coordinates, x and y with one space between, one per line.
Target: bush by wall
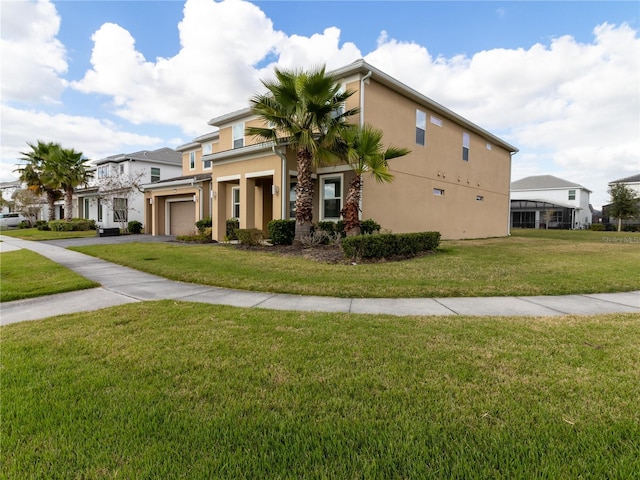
203 224
134 227
369 227
249 236
232 225
42 225
389 245
75 225
282 232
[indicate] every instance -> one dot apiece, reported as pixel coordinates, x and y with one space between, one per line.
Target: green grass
36 235
25 274
178 390
527 263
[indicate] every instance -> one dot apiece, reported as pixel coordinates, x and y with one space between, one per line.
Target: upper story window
103 171
572 194
465 146
340 110
238 135
436 121
206 164
122 169
207 149
421 127
155 174
192 160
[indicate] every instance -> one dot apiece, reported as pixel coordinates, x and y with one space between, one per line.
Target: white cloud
94 137
32 58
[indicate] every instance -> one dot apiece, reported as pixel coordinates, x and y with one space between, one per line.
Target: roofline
575 186
364 68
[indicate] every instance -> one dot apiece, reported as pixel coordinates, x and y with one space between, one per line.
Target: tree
28 203
365 154
116 193
303 110
624 203
70 170
38 175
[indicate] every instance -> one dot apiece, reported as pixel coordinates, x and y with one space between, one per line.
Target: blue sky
557 79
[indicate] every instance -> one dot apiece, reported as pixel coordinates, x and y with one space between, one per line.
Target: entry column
247 202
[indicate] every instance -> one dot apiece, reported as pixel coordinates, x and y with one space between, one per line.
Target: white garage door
182 218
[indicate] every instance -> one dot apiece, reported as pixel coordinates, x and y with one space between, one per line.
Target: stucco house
455 180
545 201
632 183
141 167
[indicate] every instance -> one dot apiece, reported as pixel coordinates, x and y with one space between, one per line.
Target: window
235 202
292 200
489 146
207 149
155 174
436 121
465 147
207 164
331 197
192 160
438 192
103 172
99 210
479 198
556 216
421 127
120 210
86 208
340 110
572 194
122 169
238 135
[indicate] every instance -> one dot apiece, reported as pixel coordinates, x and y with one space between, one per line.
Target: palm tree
303 110
365 154
70 170
37 173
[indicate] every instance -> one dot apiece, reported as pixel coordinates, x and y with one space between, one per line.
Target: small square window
572 194
479 198
439 192
436 121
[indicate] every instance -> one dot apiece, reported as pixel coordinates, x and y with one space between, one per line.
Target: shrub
389 245
369 227
24 224
75 225
597 227
134 227
282 232
203 224
325 226
200 237
42 225
249 236
232 225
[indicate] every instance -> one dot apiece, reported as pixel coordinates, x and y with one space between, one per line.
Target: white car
11 219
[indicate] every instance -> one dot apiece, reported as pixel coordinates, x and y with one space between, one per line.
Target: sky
559 80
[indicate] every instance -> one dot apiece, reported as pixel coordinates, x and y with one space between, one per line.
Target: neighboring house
7 189
455 180
174 205
632 183
140 167
545 201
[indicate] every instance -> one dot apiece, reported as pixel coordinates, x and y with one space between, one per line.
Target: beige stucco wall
156 204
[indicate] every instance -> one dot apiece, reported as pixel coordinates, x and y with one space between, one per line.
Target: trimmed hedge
282 232
75 225
203 224
135 227
249 236
389 245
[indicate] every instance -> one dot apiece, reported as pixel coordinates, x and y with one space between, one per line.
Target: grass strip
26 274
169 389
566 262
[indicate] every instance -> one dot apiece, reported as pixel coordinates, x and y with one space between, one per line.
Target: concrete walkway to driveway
120 285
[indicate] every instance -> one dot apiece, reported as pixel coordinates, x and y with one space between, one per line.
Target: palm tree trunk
350 212
304 195
68 204
51 200
619 224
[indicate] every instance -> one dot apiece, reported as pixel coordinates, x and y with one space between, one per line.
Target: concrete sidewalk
120 285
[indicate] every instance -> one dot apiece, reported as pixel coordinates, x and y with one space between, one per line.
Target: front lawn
527 263
179 390
25 274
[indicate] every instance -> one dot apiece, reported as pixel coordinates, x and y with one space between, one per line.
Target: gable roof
162 155
365 69
544 182
631 179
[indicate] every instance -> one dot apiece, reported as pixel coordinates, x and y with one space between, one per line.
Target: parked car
11 219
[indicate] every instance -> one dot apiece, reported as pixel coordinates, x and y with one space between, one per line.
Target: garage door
182 218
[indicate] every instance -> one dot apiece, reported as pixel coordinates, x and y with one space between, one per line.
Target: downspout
283 187
511 154
363 80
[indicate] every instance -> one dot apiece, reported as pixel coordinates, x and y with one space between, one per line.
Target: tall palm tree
365 154
305 111
70 170
37 173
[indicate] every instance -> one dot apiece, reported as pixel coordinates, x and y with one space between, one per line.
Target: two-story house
545 201
455 180
633 184
114 196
